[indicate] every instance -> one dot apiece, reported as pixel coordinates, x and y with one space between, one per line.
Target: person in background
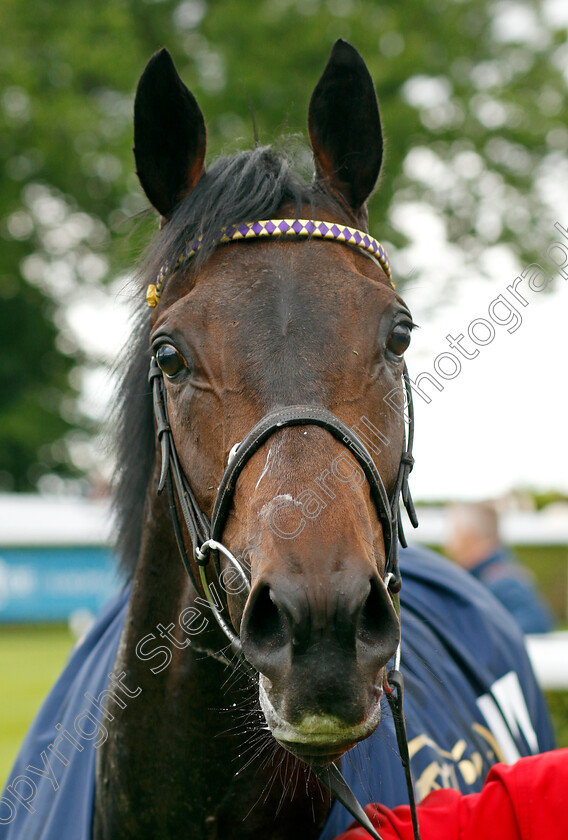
475 544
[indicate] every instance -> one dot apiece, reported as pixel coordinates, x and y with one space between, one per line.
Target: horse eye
399 339
170 361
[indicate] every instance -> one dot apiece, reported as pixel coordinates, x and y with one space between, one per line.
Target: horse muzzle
317 740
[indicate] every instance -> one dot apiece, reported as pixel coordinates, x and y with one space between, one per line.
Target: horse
239 334
261 454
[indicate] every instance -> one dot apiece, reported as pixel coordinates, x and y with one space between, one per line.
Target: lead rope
394 686
394 689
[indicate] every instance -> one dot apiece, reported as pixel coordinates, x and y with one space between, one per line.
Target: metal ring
214 545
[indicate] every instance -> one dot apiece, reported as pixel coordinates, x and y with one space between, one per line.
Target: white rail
549 656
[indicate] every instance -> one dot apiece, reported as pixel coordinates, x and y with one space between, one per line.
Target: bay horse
273 344
241 332
262 452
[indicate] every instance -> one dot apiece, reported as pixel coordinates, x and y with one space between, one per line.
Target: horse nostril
265 631
377 626
266 619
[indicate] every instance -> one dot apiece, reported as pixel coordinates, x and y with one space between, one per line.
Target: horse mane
240 188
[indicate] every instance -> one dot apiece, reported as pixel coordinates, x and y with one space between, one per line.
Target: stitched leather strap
301 415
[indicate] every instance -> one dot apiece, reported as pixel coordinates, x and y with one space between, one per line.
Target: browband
276 227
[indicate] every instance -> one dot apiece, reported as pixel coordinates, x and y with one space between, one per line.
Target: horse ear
169 135
345 127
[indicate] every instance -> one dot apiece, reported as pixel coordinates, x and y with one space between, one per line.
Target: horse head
244 330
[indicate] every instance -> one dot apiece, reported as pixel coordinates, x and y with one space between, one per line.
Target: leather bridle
205 535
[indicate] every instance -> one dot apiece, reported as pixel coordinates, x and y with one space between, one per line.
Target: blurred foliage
558 706
471 95
549 497
33 382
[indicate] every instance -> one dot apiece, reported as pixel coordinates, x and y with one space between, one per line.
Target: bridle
205 534
271 228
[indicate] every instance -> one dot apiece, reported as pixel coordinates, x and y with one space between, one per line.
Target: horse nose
285 619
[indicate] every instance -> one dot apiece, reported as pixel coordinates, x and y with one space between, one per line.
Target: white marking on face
266 510
263 473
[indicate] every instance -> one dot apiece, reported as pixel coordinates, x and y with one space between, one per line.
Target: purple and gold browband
277 227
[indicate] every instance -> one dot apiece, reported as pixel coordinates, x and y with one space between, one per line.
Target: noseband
205 534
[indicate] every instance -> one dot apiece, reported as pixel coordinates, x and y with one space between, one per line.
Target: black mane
241 188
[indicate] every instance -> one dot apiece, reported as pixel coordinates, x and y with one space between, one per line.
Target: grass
31 658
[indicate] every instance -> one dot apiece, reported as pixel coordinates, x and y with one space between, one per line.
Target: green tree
472 95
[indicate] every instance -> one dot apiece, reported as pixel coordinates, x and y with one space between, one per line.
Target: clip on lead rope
394 686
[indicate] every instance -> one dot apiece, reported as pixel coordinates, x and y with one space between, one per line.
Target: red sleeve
524 801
